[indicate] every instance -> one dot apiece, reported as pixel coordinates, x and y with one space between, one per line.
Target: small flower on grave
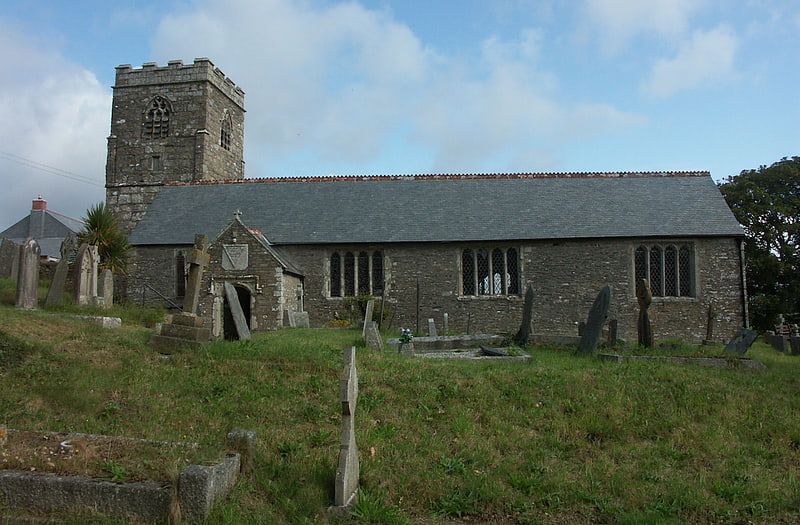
406 335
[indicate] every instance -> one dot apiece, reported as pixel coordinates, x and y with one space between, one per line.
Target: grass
564 439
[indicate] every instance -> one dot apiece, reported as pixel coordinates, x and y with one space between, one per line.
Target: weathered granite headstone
644 296
780 343
432 328
298 319
105 288
368 316
711 318
524 331
611 339
347 472
9 259
595 321
239 319
187 329
28 276
86 274
372 336
445 323
59 282
741 342
794 344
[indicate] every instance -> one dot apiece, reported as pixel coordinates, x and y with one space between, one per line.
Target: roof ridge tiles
451 176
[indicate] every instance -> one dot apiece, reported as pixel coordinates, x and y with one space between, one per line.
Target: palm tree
101 229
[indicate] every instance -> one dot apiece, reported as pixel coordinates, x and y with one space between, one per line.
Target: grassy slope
561 440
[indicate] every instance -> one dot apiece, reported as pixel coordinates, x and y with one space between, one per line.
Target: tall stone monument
28 275
595 321
186 329
644 297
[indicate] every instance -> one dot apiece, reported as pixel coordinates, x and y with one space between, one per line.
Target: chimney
39 204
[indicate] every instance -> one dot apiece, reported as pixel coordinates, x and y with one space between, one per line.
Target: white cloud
620 21
54 113
336 82
707 58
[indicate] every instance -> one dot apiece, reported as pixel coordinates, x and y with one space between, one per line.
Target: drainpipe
742 268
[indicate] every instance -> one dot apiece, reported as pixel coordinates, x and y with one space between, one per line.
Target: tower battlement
201 70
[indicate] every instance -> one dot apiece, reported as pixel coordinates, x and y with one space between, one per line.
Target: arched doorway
228 324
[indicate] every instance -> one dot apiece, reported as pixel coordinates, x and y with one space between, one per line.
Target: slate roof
48 228
444 208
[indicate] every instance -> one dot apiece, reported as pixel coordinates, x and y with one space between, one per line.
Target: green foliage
102 230
766 201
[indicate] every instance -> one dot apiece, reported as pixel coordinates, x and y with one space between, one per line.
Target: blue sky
392 87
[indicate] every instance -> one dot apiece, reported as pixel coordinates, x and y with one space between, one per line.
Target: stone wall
200 98
567 275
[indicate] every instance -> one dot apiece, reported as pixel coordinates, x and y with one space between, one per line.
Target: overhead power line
12 157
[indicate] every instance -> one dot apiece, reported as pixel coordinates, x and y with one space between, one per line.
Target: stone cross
524 332
347 472
59 283
28 277
197 259
595 321
644 297
86 278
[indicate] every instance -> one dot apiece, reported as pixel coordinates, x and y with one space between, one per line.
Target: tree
766 201
101 229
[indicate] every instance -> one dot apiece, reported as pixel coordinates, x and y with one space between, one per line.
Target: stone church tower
179 123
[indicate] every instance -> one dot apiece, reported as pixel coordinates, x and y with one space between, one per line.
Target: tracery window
485 272
225 132
360 273
156 118
668 267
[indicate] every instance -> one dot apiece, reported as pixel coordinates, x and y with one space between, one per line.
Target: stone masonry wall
567 275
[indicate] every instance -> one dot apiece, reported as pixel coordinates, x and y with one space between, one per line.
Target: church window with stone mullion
226 130
356 273
668 268
489 272
156 118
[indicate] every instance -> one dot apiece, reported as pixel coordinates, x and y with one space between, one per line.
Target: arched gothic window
489 272
156 118
669 268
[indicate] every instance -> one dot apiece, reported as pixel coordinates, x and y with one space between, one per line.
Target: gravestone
741 342
239 319
711 318
644 296
28 276
368 316
372 336
298 319
347 472
9 259
186 329
105 289
611 339
524 332
86 274
595 321
794 345
59 282
432 328
445 323
781 343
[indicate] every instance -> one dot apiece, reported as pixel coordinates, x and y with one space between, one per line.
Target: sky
380 87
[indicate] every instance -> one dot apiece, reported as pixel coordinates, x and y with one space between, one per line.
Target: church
467 245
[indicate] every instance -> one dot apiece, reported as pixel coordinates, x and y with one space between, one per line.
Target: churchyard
562 438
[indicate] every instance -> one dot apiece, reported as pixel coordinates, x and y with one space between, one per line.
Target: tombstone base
185 330
167 345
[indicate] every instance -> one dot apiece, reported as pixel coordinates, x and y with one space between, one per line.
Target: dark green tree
101 229
766 201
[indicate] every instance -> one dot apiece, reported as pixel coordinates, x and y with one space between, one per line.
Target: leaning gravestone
524 331
644 296
595 321
86 274
239 319
368 316
741 342
28 277
347 472
9 259
372 336
105 289
59 282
